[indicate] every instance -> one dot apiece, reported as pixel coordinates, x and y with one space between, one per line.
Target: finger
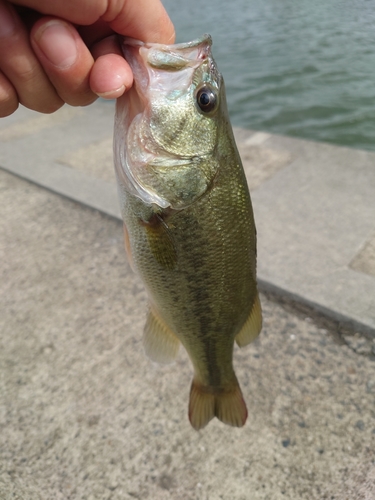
65 59
107 45
20 66
8 97
95 32
76 11
111 75
146 20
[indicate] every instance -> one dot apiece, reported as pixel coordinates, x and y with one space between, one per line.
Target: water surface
292 67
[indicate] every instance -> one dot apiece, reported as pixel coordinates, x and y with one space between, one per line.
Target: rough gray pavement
85 415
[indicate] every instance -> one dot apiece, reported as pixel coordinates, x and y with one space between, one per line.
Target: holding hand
66 51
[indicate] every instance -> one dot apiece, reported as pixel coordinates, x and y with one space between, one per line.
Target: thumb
146 20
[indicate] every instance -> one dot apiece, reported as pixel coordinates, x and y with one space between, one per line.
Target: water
295 67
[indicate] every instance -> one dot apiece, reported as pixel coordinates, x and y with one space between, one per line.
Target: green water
293 67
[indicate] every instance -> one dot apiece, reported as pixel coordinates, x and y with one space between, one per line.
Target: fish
189 227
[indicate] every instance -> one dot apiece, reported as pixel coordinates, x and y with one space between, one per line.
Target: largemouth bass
188 220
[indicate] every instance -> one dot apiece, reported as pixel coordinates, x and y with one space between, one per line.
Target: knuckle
8 107
44 102
48 107
81 99
8 99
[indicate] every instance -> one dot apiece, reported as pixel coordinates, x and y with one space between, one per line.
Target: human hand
59 52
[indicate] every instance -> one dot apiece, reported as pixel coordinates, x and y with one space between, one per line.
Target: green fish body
188 220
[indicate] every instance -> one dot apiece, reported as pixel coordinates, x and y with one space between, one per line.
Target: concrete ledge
313 217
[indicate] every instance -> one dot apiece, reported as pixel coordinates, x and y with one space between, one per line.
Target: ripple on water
299 68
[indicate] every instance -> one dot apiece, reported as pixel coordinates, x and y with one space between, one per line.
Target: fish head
168 124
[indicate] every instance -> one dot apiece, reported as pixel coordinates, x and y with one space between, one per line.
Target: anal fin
160 343
252 326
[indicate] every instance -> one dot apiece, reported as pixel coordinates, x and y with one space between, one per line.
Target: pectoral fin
252 326
160 343
128 247
161 242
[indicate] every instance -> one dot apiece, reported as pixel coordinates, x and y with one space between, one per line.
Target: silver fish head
168 124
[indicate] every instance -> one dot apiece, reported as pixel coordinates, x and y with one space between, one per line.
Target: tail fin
227 406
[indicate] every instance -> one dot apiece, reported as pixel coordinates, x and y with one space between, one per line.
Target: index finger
146 20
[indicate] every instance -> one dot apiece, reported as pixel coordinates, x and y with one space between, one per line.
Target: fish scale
189 225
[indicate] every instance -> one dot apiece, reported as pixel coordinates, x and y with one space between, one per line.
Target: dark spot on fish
174 133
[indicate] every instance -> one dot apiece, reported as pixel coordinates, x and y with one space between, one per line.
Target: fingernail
7 23
57 43
112 94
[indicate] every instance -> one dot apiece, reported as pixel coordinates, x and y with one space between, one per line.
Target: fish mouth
204 39
174 56
157 65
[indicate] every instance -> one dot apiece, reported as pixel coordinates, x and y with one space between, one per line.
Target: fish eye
206 99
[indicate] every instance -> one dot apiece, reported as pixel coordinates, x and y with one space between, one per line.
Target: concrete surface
85 415
314 203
